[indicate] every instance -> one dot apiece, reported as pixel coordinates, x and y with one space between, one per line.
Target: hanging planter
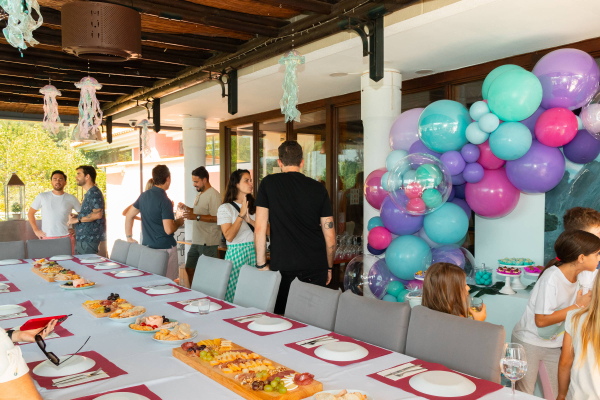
289 101
51 119
20 25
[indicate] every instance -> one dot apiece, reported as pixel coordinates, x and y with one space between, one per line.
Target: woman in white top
579 365
236 218
542 327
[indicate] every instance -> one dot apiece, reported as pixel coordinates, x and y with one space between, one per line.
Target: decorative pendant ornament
20 26
145 136
90 114
51 118
289 101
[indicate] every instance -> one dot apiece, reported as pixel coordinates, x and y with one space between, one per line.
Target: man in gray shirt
207 234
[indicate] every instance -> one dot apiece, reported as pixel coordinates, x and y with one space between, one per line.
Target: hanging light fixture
90 114
20 26
51 119
289 101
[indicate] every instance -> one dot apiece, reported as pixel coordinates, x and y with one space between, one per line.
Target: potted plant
16 210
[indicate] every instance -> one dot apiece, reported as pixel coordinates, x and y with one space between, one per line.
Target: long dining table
150 363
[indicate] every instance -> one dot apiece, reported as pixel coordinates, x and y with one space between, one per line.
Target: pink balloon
556 127
416 205
413 190
374 193
405 129
493 196
487 159
379 238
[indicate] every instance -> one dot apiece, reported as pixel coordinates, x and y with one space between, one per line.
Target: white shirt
586 280
55 212
552 292
12 364
227 215
585 384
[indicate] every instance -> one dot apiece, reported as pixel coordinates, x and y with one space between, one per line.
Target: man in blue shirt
90 223
158 220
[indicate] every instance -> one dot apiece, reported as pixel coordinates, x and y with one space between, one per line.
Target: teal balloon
390 298
394 288
429 175
478 110
476 135
510 141
384 181
394 157
446 225
373 222
493 75
402 295
432 198
515 95
409 176
408 254
489 122
442 125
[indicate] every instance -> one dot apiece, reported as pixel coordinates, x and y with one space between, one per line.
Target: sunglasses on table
50 355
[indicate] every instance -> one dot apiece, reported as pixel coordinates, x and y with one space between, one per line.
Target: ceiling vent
101 31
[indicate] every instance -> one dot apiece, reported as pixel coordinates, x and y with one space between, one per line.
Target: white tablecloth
151 363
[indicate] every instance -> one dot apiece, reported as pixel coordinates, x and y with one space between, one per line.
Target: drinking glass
203 306
513 363
476 304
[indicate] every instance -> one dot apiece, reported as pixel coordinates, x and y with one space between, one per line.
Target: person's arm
29 336
542 320
189 215
31 216
479 315
171 225
230 230
261 222
97 213
131 214
564 366
329 233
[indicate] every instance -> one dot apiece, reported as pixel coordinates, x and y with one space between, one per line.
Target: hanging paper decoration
20 26
90 114
145 136
51 118
289 101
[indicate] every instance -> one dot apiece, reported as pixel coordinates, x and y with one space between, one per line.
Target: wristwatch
198 217
9 333
79 217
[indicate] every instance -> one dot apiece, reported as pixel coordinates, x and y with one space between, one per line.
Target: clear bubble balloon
453 254
417 175
356 277
590 115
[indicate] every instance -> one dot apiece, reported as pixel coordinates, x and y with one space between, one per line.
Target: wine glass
513 363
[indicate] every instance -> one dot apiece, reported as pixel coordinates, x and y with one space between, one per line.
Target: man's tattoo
328 225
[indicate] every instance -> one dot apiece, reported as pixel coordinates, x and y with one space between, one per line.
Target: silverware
75 378
153 286
407 371
248 318
403 369
314 341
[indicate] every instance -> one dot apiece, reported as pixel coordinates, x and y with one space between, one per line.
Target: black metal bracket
109 127
372 40
232 88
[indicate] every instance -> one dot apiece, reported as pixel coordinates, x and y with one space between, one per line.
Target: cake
508 270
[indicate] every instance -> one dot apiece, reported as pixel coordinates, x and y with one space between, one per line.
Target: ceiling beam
196 43
34 82
318 7
64 94
17 98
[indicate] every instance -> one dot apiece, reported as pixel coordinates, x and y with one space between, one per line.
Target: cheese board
47 278
246 373
104 308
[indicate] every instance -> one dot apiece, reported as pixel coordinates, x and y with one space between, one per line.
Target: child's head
582 218
445 289
576 246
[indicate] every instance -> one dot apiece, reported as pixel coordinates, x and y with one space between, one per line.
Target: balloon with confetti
51 119
20 25
90 114
289 101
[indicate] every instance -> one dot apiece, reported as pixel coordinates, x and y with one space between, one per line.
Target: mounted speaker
101 31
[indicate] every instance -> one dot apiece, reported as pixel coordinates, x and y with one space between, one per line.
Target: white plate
129 272
75 365
193 307
10 309
334 392
166 289
107 265
61 258
91 260
442 384
154 331
122 396
341 351
4 286
194 334
10 262
76 288
269 324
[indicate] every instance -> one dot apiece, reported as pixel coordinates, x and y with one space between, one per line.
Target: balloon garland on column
51 119
90 114
20 26
289 101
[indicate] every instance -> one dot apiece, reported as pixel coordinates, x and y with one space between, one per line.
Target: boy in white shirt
585 219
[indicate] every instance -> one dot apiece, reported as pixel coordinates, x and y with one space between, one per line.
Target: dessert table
151 364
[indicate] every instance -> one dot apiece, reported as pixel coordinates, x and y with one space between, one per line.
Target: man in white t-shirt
56 207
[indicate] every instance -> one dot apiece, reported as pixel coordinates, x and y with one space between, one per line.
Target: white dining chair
49 247
10 250
212 276
256 288
312 304
154 260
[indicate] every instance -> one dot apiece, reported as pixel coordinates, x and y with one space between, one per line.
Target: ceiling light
338 74
424 71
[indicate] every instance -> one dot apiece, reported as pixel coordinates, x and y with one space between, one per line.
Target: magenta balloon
538 171
583 149
556 127
473 173
399 221
453 161
464 205
379 238
470 152
530 122
405 129
419 147
493 196
487 159
569 78
374 193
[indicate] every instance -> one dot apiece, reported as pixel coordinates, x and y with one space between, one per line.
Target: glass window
212 149
467 93
350 154
422 99
241 147
310 133
270 135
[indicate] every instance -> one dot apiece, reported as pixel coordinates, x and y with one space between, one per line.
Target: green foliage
348 170
29 150
16 208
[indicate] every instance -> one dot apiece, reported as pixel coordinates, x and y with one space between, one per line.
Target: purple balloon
405 129
530 122
569 78
584 148
373 251
448 253
473 172
379 277
460 191
458 180
470 152
419 147
399 221
463 204
538 171
453 161
452 194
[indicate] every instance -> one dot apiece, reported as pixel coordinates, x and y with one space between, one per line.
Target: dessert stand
507 289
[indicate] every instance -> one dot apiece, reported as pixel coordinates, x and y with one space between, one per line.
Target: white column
194 156
380 105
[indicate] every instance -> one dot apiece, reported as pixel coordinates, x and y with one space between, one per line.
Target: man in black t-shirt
302 234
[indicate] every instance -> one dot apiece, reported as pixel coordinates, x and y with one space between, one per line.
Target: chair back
49 247
312 304
256 288
119 251
10 250
462 344
133 255
381 323
154 260
212 276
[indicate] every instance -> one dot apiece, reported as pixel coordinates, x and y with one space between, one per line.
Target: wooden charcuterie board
41 275
95 314
228 379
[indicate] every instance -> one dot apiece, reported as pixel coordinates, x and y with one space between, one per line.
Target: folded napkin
85 379
396 373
